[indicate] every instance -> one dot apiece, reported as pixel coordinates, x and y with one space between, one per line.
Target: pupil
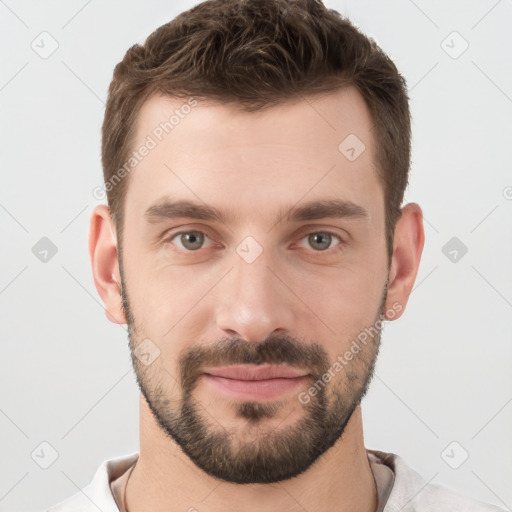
192 238
318 239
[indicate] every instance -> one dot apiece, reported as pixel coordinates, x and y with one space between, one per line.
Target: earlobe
105 264
409 240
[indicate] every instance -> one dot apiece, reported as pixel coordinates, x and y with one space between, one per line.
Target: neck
166 479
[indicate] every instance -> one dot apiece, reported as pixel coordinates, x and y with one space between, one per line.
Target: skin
253 165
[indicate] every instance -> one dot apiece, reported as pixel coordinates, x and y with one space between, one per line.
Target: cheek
343 307
156 320
346 296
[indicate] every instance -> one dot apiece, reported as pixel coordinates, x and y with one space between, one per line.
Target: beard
257 454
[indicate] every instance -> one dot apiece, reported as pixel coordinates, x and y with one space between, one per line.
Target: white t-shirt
399 488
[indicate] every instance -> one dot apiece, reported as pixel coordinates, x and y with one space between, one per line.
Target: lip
252 372
254 382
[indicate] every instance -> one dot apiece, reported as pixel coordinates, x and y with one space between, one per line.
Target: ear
105 263
407 248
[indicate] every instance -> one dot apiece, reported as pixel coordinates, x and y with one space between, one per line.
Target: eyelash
168 239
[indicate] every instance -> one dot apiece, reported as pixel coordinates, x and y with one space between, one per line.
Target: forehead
316 148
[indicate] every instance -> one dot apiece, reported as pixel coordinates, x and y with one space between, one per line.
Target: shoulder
97 495
411 493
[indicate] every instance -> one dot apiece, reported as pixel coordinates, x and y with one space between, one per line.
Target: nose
255 300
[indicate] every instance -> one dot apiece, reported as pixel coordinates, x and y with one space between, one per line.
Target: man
255 156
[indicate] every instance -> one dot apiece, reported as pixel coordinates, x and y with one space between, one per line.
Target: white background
445 369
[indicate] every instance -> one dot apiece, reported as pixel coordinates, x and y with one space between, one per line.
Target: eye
194 240
189 240
321 240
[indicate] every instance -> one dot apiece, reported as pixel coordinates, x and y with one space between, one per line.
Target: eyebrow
314 210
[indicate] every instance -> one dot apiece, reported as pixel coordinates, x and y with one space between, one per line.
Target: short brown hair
257 53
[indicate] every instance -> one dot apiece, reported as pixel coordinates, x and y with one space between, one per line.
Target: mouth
250 382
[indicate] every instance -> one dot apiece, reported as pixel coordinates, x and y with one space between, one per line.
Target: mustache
276 350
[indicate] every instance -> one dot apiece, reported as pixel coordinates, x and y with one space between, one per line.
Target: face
253 263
